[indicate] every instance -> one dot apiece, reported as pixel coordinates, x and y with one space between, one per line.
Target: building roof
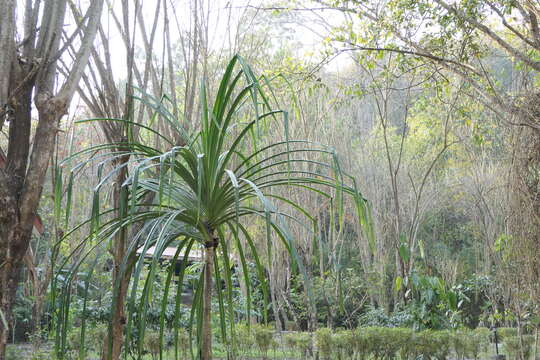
168 253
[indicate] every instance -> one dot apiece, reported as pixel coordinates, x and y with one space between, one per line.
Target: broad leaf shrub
378 317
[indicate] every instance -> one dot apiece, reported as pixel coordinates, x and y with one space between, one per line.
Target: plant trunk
206 336
114 350
113 343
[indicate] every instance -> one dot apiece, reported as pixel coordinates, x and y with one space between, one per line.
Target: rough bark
33 70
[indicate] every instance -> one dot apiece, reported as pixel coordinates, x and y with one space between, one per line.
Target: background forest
428 108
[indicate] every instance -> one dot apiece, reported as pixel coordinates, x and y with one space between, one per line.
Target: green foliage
263 335
424 344
506 332
152 343
12 353
298 341
470 343
404 339
433 305
244 338
442 344
373 316
40 355
203 192
74 340
184 342
459 343
95 335
383 343
323 341
518 347
343 343
274 344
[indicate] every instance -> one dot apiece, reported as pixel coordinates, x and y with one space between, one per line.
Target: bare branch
7 44
83 54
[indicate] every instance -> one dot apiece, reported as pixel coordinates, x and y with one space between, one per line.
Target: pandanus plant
201 195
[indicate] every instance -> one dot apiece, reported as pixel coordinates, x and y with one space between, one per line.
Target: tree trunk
11 264
206 337
28 72
20 191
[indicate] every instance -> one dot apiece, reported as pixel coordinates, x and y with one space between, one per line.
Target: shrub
290 340
299 341
184 342
244 338
424 344
38 355
263 335
458 340
343 343
504 332
361 346
390 342
152 343
95 335
377 317
12 353
74 340
323 339
373 341
274 344
404 338
513 348
475 342
441 344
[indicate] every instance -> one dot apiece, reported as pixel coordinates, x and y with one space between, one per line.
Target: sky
224 19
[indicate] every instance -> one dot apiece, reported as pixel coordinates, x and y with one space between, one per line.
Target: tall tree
31 50
458 40
106 96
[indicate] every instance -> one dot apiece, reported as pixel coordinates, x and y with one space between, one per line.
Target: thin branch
483 28
410 52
